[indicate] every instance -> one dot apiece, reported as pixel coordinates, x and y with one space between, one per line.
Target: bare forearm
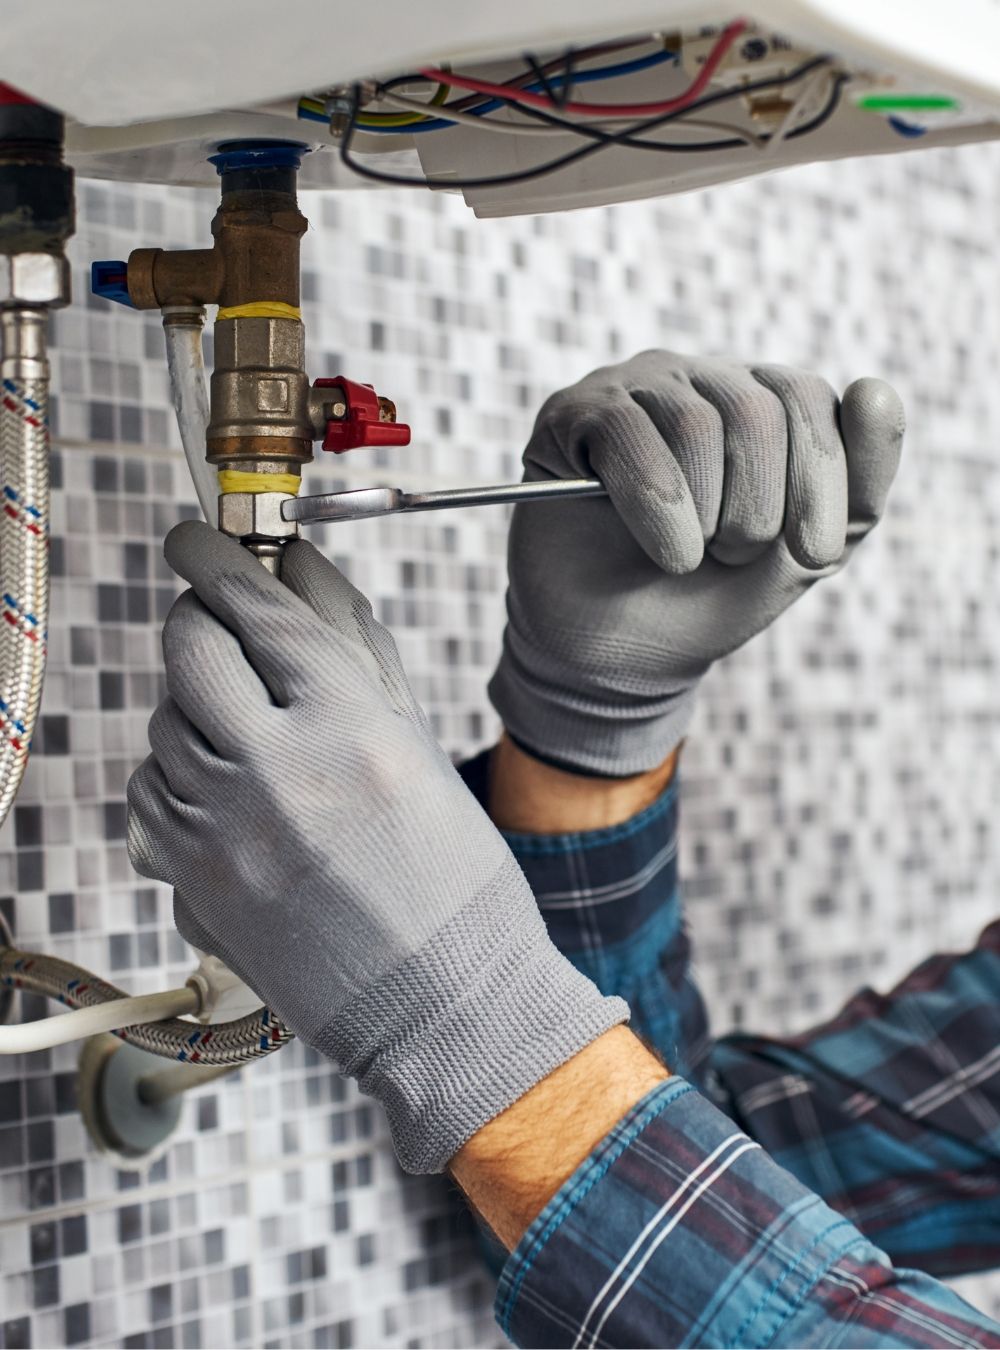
530 797
516 1163
512 1167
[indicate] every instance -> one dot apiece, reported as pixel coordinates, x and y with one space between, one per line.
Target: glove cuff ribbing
468 1024
583 734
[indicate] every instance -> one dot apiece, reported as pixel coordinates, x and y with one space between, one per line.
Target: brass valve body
260 392
259 388
255 258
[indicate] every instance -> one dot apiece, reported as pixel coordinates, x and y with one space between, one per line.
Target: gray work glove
321 843
732 490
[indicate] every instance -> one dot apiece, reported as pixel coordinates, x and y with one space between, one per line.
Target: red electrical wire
694 91
558 64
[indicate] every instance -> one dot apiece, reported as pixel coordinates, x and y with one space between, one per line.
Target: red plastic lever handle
363 424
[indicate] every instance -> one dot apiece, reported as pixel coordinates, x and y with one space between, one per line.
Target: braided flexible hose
24 540
24 556
24 543
235 1042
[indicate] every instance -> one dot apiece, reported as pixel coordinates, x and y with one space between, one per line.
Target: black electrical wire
632 140
558 96
600 139
635 142
469 102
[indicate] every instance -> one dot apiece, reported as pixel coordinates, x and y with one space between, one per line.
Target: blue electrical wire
576 77
908 129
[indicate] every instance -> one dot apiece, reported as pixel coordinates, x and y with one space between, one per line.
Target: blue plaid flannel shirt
797 1191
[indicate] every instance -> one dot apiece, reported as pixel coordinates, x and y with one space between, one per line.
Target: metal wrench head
361 504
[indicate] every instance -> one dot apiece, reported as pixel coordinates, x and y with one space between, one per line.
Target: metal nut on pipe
33 279
256 515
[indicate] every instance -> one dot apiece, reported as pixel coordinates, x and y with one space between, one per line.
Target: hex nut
34 279
255 515
36 199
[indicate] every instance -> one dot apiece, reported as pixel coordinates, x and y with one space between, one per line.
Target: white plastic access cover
108 62
152 89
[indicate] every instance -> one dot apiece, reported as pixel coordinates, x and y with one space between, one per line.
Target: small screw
338 108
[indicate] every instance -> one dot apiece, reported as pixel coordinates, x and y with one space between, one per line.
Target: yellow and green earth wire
401 119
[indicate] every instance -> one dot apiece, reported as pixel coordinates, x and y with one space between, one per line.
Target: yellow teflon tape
237 480
261 309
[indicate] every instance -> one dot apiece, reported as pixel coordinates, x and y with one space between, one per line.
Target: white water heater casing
151 91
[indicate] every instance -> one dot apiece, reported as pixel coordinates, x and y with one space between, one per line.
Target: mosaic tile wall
840 781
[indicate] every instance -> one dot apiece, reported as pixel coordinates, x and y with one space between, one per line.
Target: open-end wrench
365 503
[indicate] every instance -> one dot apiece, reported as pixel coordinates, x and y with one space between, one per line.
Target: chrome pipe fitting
260 389
25 355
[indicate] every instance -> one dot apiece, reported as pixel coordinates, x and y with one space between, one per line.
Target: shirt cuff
609 898
679 1230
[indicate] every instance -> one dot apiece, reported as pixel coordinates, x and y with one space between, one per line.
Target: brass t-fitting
259 388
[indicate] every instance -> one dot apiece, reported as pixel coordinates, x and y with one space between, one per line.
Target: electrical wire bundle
542 98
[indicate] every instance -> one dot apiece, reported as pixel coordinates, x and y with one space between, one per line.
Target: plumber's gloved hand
321 843
732 490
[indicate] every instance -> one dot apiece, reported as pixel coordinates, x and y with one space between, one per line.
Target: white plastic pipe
149 1023
83 1022
186 367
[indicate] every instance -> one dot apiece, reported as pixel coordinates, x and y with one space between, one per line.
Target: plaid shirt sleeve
890 1112
678 1230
